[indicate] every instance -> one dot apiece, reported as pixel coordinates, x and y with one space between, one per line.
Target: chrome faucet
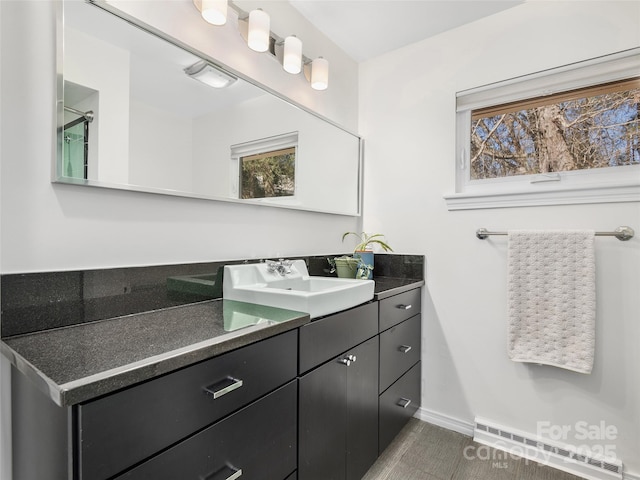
283 267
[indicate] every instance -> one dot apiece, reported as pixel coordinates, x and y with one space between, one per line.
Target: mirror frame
57 161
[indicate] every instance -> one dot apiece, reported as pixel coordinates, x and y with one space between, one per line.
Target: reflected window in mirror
269 174
265 168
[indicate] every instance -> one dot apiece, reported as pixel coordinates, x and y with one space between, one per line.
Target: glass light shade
320 74
292 57
214 11
258 36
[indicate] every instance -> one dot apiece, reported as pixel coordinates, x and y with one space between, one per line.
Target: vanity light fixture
210 75
255 29
317 72
292 56
213 11
258 35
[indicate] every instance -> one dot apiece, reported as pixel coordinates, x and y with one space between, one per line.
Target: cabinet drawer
124 428
399 350
330 336
259 440
394 409
394 310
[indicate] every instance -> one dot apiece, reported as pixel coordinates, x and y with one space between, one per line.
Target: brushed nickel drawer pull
235 475
223 387
404 307
220 474
404 402
405 348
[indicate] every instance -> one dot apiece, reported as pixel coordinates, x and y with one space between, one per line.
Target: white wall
109 75
160 148
407 116
62 227
326 159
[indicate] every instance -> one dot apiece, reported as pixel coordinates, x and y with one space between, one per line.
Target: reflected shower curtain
74 151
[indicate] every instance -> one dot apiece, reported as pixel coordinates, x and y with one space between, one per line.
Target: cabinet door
338 405
362 409
322 421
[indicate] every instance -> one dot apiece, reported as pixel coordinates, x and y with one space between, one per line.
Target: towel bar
621 233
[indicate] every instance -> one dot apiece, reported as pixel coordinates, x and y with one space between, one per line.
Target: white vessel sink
294 289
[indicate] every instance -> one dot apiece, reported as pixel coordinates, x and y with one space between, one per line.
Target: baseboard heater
562 457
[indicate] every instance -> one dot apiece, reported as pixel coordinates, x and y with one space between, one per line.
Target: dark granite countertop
74 363
80 362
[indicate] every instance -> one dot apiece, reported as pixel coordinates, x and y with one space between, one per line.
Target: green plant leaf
366 240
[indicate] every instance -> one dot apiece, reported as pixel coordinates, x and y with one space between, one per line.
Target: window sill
567 196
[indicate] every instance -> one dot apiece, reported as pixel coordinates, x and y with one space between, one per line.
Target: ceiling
367 28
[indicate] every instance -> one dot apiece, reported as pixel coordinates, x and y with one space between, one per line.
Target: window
268 174
569 135
595 127
265 169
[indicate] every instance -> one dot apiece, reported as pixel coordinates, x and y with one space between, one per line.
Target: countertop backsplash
34 302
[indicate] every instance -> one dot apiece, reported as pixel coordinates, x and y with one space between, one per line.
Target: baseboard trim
468 429
444 421
544 451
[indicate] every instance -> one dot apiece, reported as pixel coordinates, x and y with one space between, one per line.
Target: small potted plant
360 265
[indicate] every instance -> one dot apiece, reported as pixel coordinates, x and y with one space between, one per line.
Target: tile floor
426 452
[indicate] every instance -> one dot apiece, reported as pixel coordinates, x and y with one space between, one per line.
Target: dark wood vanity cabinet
233 413
339 416
338 400
359 384
119 430
400 376
319 402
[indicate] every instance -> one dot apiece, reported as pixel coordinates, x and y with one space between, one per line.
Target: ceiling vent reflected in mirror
209 75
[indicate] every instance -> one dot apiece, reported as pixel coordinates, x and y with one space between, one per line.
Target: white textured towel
552 298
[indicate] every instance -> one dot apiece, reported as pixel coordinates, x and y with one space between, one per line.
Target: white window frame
602 185
254 147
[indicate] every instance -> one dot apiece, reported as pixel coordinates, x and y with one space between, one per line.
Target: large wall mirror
138 112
